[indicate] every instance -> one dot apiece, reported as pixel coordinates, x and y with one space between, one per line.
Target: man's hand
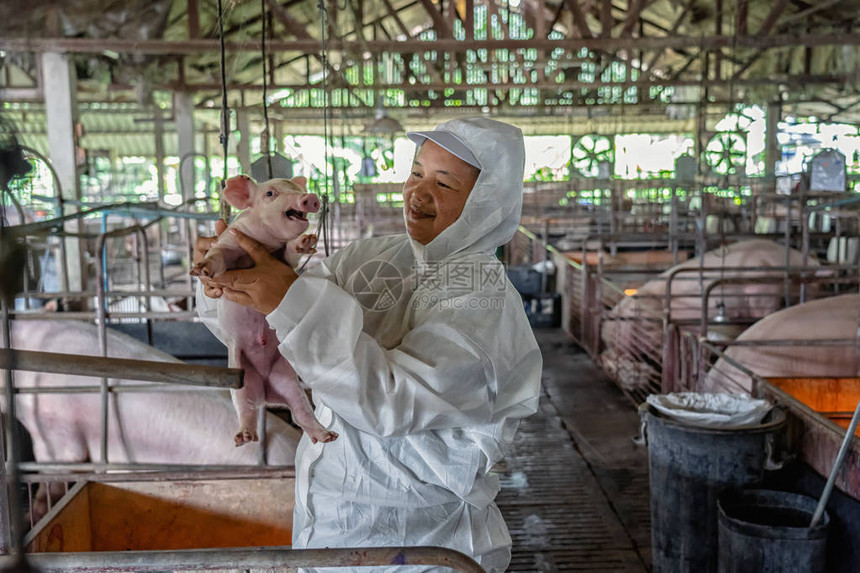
261 287
201 247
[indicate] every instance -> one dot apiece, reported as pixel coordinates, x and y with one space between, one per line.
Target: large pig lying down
828 318
158 427
633 332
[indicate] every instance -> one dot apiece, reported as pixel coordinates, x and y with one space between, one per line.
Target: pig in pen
147 423
814 339
636 333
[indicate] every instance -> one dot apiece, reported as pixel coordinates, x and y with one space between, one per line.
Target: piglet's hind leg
247 399
283 388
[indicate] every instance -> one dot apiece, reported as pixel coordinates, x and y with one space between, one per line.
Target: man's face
436 191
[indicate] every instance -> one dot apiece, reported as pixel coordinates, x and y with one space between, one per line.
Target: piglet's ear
239 191
300 181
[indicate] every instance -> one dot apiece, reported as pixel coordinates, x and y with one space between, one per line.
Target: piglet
275 214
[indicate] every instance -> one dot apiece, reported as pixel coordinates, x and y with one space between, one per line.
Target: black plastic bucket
764 531
689 467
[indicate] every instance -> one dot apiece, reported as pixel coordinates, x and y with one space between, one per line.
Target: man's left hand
261 287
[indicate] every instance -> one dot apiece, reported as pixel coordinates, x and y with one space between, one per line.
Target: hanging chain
322 226
265 146
326 108
225 116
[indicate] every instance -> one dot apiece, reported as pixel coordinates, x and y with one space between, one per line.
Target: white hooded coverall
422 359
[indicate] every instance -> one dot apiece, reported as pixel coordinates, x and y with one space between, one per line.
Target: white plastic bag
710 410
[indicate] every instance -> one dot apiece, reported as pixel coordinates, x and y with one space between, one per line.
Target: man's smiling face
436 191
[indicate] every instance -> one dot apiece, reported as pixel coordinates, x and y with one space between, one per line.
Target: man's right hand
201 247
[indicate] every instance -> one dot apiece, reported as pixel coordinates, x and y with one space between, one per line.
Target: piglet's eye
269 193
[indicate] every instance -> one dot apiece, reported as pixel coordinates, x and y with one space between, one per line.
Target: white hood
492 212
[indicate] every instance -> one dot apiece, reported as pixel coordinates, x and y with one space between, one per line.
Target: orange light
631 291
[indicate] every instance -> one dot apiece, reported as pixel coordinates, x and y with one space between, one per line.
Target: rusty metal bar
188 47
124 368
91 314
245 558
192 471
165 472
787 342
125 388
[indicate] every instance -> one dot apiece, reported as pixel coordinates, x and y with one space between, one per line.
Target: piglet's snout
309 203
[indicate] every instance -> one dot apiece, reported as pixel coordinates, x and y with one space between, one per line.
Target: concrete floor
574 485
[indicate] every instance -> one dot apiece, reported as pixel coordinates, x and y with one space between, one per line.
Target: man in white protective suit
418 353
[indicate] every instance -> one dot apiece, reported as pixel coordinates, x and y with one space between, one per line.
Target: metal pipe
101 324
122 389
168 472
837 465
787 342
785 286
248 558
96 366
82 294
10 525
89 315
55 467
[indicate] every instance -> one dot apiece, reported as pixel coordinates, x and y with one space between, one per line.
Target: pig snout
309 203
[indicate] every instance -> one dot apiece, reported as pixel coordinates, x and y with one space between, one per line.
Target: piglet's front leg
299 247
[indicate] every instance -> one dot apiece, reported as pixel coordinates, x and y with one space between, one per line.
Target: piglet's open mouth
294 214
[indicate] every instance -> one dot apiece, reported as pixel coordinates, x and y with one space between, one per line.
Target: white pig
275 214
633 331
176 427
829 318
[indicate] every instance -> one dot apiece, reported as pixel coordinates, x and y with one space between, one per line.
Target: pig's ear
239 190
300 181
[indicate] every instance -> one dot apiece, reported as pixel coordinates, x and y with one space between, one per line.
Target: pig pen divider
265 558
651 359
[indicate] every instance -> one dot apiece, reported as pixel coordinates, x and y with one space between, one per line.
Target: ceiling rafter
633 12
579 19
439 23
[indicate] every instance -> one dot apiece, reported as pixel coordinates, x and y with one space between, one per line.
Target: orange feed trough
167 515
833 398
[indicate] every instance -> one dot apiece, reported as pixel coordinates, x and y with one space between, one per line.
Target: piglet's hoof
323 436
307 243
244 436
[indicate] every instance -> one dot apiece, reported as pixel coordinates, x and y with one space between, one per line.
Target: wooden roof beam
396 17
210 46
439 23
633 11
674 30
290 24
579 19
606 20
770 20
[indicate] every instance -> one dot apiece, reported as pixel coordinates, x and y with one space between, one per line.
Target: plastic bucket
764 531
689 467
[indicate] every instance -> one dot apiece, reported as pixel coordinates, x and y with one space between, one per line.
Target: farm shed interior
690 223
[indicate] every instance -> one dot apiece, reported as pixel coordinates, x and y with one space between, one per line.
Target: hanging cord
265 91
225 116
721 306
322 226
326 104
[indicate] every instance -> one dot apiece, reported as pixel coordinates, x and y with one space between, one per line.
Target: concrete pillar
159 150
60 84
772 152
183 106
278 133
244 144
